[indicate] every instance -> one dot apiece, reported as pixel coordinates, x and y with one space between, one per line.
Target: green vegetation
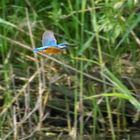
90 89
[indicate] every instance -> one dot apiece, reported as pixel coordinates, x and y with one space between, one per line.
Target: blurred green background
90 89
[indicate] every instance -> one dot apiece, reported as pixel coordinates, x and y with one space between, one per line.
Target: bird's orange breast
51 51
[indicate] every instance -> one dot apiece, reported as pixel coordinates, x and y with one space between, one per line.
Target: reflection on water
129 136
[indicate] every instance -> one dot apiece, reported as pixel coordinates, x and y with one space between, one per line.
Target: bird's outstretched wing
48 39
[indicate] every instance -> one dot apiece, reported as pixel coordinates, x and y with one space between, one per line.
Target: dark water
128 136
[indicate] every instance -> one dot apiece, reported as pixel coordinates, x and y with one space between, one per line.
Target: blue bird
50 45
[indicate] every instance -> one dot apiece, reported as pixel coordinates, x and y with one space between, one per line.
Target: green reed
83 89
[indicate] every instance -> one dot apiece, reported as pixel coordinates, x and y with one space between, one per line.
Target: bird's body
50 45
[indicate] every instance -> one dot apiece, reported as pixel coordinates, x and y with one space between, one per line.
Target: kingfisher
49 44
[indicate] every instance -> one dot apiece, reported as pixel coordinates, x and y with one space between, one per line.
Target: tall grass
88 90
